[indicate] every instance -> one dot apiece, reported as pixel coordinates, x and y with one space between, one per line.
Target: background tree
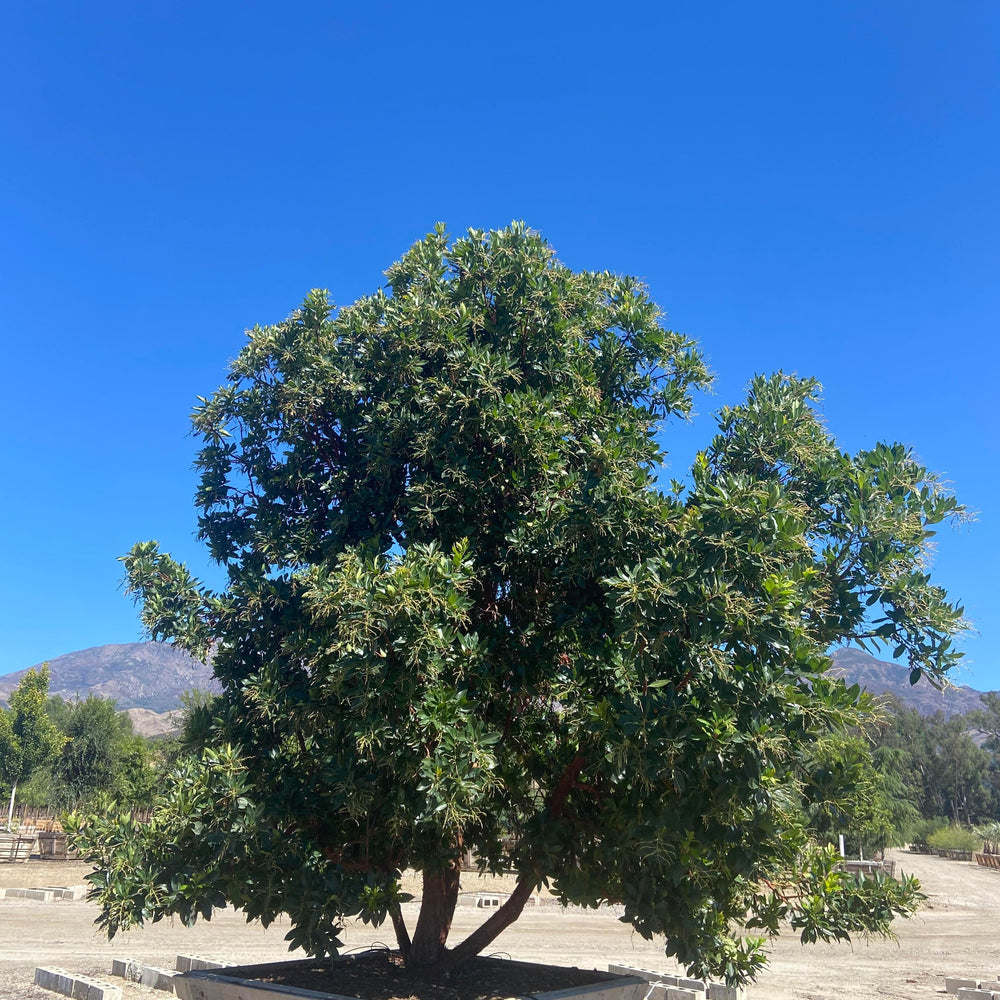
102 754
946 772
897 796
987 720
58 710
28 737
460 614
956 773
847 795
194 723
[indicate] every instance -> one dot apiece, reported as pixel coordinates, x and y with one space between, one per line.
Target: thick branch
501 919
558 797
402 935
498 922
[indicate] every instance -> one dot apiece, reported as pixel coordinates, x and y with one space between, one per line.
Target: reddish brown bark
558 797
437 908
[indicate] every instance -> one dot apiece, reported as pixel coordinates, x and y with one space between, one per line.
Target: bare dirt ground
955 933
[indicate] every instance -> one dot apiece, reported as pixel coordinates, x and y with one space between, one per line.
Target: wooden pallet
16 847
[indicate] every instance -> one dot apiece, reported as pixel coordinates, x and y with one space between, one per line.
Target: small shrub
955 838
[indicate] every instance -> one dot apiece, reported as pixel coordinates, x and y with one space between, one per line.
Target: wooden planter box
16 847
988 860
52 846
242 983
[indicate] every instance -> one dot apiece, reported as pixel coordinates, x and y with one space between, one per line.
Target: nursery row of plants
945 839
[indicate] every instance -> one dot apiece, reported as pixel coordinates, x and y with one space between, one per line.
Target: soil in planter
381 976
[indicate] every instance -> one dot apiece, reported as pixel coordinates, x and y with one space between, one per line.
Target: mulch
381 976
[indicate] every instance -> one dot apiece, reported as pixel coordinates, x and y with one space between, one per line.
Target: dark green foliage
902 777
28 737
847 795
460 614
987 720
58 710
102 754
944 770
923 829
194 723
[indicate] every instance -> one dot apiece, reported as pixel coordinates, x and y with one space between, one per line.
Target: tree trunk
437 908
10 808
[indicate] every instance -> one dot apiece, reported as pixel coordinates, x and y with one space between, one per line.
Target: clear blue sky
806 186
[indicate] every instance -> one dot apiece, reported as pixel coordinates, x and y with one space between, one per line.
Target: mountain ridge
882 677
136 675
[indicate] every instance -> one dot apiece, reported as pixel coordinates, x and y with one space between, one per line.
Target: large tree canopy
462 614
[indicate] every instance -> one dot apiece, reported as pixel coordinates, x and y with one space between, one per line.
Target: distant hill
149 675
147 723
886 677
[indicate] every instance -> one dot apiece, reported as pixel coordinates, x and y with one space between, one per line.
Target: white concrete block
149 976
78 987
654 991
165 981
158 979
81 987
185 963
57 980
680 993
698 985
953 984
967 993
717 991
41 895
72 892
96 990
127 968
